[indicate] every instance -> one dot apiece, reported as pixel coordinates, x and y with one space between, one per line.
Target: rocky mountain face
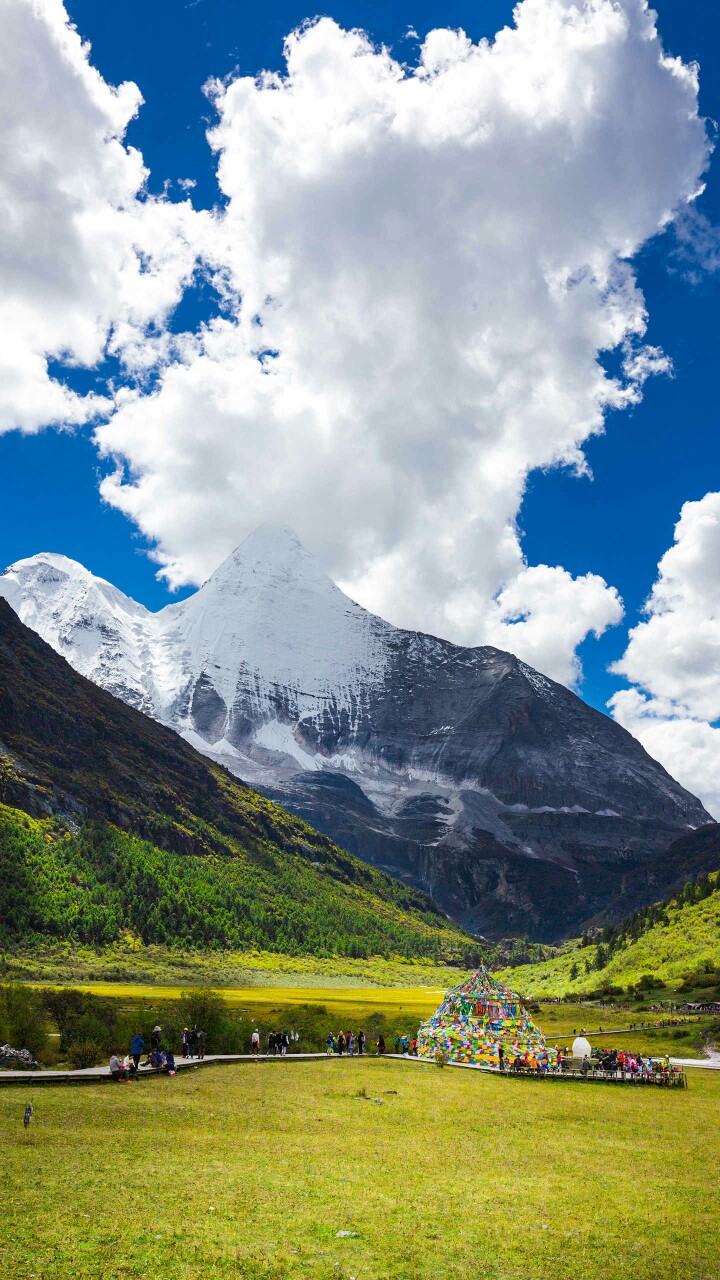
459 770
110 822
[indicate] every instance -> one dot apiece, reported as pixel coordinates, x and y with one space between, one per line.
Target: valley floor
166 967
229 1173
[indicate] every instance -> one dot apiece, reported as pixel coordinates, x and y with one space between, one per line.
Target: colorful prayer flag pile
478 1018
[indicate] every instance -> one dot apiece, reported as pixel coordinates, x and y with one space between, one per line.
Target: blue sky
653 457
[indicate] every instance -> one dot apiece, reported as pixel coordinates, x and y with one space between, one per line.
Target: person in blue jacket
137 1044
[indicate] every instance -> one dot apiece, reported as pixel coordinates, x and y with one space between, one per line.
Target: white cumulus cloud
419 270
422 269
673 657
87 262
544 613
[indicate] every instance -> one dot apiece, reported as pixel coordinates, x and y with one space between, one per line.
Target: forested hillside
674 943
111 823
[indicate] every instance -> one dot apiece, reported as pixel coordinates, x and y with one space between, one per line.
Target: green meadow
251 1171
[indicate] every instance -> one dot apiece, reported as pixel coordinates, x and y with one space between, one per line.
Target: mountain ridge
462 771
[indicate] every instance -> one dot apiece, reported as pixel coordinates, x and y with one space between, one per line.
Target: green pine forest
96 883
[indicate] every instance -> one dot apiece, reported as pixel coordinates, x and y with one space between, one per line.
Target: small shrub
441 1057
85 1053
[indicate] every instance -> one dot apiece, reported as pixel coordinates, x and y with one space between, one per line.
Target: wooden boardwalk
101 1075
97 1075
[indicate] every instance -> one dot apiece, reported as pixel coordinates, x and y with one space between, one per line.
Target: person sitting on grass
170 1066
117 1070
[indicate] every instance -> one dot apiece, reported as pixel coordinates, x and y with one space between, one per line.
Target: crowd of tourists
192 1039
623 1064
278 1043
619 1064
604 1064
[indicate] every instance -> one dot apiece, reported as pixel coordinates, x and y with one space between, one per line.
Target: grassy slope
111 822
689 941
231 1173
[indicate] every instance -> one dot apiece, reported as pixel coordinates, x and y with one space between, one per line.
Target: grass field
252 1171
340 1001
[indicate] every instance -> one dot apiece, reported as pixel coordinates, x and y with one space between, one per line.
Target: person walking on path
361 1043
381 1045
202 1043
255 1042
284 1043
137 1045
501 1057
350 1044
330 1044
192 1042
341 1043
184 1042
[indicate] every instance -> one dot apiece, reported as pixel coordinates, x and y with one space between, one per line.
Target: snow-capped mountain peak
270 613
415 753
